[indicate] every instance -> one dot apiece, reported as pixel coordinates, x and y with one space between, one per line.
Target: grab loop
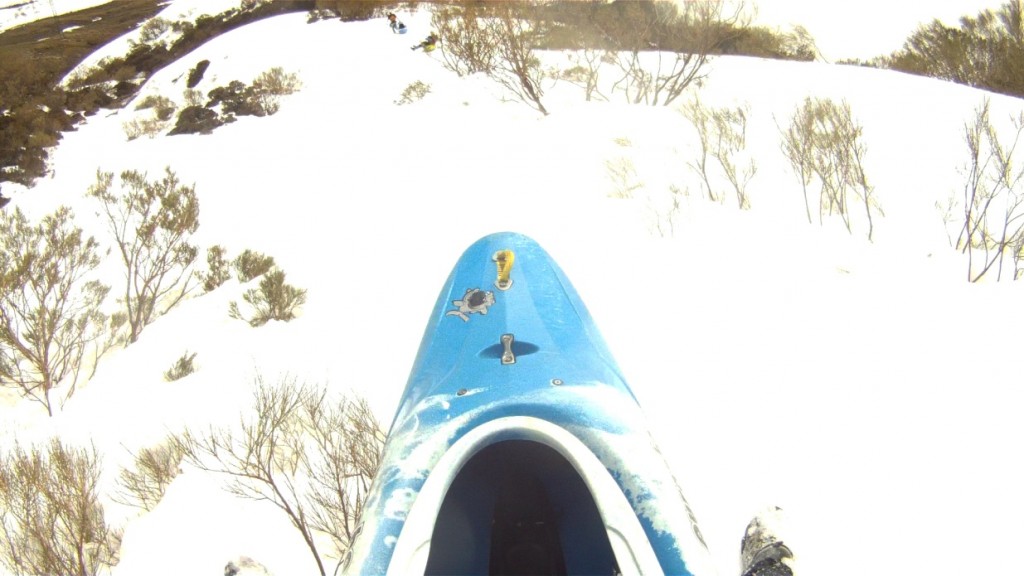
504 260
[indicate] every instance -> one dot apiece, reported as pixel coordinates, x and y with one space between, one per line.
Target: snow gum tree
985 51
152 223
49 310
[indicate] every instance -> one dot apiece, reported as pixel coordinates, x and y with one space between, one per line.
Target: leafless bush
270 85
149 127
217 268
193 97
50 315
625 180
356 10
584 71
662 47
151 31
50 516
823 143
664 217
469 45
182 367
318 14
723 136
253 4
770 42
414 92
163 107
152 223
799 148
251 264
311 458
498 39
272 300
992 226
155 468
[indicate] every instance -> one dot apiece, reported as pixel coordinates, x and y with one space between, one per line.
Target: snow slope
864 387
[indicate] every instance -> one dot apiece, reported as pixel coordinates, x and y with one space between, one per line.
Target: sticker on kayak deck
475 301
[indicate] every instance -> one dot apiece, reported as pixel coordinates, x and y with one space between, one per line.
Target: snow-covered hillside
864 387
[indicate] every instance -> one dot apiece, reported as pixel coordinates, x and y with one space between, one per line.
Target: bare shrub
226 103
218 271
198 120
318 14
162 106
625 180
155 468
152 223
312 458
498 39
701 119
269 86
251 264
151 31
799 148
272 300
664 217
722 133
182 367
991 228
252 4
149 127
662 47
824 143
469 45
50 315
764 42
798 44
193 98
584 71
414 92
355 10
50 515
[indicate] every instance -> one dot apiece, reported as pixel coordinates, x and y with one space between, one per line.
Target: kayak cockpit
520 495
518 507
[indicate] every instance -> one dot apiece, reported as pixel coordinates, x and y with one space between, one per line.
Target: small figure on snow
396 25
429 44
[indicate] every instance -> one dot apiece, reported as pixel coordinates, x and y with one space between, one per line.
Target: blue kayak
518 447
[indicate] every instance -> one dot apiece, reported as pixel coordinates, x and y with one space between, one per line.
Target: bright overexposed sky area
865 28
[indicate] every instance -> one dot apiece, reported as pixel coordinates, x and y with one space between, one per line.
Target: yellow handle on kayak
504 260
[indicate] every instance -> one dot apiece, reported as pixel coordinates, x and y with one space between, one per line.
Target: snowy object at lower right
763 552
